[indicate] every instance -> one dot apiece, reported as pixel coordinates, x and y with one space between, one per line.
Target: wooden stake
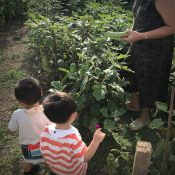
165 154
142 158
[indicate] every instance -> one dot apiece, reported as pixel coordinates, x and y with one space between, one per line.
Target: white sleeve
13 124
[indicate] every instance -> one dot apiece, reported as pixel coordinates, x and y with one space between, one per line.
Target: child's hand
98 136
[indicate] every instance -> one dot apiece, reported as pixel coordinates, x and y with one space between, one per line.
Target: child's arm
13 125
92 148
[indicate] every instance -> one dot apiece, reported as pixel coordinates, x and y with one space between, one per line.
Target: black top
151 58
146 16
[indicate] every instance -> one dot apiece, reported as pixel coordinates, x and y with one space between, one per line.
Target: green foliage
162 106
53 9
172 75
87 65
10 10
112 164
156 124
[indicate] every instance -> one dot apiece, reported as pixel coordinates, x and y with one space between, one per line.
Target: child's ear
73 116
75 113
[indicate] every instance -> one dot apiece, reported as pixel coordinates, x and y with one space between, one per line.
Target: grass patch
10 77
3 56
10 152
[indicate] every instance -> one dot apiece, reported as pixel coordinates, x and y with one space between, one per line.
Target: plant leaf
93 124
109 125
58 85
104 111
124 143
125 156
162 106
156 124
99 91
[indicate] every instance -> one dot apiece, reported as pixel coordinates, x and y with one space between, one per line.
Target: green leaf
126 170
83 84
112 164
81 102
121 56
73 68
93 124
172 158
87 121
104 111
158 150
173 122
64 70
156 124
95 109
118 112
162 106
125 156
58 85
99 91
49 41
124 143
109 125
116 163
109 73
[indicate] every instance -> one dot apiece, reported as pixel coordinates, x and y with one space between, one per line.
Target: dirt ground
14 66
12 69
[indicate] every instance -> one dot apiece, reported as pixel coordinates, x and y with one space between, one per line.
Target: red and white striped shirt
63 150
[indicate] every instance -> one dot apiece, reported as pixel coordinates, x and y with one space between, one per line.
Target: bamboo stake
165 154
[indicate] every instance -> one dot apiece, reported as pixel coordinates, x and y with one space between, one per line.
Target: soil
13 58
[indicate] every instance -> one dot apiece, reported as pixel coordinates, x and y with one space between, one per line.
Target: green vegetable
115 35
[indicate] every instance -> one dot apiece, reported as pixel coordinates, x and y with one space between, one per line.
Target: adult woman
151 42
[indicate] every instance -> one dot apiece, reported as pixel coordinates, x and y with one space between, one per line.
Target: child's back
64 150
61 143
29 122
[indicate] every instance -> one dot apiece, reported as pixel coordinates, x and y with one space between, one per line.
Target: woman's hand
133 36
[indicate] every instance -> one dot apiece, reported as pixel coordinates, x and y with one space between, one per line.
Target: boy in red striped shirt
61 144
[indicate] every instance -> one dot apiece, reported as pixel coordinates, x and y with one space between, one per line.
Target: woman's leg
145 115
142 121
134 103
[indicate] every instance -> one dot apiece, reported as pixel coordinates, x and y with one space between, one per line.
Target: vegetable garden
68 42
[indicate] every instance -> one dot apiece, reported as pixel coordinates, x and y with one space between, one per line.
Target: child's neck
31 106
63 126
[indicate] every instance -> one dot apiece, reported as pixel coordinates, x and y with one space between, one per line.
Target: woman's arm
166 9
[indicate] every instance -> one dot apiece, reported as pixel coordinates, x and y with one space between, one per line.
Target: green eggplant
115 35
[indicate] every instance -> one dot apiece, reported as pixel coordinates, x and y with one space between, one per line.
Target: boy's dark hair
28 91
58 107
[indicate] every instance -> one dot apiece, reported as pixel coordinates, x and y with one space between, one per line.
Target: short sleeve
13 124
79 149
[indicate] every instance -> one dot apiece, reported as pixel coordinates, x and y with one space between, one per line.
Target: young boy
61 144
29 123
